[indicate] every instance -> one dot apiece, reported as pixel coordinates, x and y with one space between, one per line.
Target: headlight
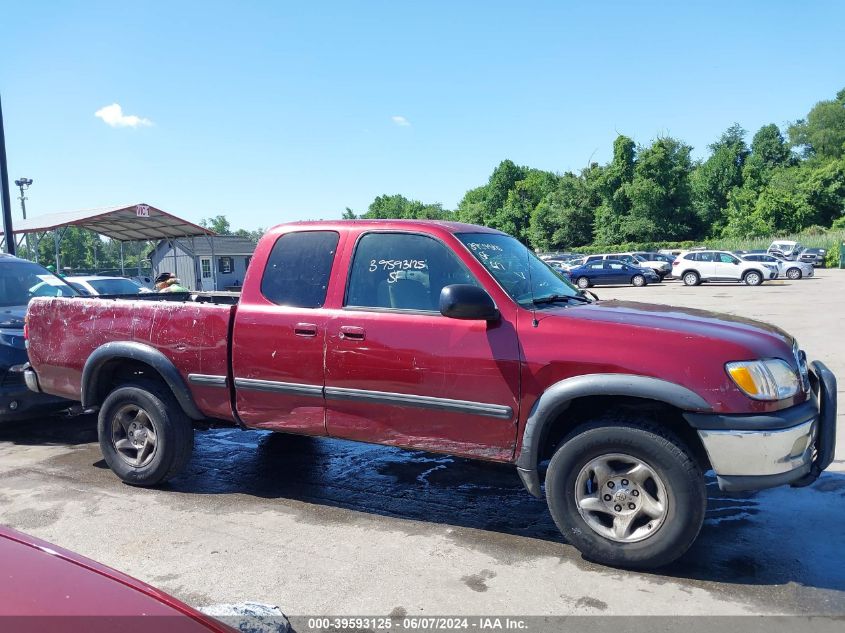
771 379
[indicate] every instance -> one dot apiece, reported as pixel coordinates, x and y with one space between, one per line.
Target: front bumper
792 446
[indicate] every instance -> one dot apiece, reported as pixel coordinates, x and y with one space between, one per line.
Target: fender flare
555 400
131 350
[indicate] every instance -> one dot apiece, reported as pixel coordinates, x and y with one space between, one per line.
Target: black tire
794 273
752 278
173 430
665 454
638 281
583 283
691 278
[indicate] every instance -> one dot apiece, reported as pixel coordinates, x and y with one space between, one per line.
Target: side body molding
556 399
130 350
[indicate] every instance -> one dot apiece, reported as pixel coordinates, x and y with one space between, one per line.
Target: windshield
20 281
513 265
114 286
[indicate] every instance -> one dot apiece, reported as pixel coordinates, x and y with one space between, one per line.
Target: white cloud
400 121
112 115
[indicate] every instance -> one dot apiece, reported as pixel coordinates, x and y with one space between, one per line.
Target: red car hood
39 579
754 335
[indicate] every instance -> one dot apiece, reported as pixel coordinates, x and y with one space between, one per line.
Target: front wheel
638 281
626 494
144 435
753 278
583 283
794 273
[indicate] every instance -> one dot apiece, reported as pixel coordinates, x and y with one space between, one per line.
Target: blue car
611 271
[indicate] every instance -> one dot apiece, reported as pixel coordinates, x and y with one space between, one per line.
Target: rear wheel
638 280
626 493
794 273
583 283
691 279
144 435
753 278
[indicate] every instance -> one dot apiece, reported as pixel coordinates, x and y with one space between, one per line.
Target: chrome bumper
761 453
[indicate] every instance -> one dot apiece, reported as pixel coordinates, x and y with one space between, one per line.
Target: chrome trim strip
207 380
253 384
423 402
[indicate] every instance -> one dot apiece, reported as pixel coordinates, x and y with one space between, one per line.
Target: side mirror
465 301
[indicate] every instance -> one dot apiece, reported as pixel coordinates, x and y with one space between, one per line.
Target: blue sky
275 111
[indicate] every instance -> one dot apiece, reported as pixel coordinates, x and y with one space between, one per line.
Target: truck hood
756 336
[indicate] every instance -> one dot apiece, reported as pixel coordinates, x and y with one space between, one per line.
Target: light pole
23 184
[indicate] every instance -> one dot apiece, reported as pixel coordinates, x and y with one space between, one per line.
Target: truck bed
191 330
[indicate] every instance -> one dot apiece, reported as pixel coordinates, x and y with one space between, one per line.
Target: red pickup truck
453 338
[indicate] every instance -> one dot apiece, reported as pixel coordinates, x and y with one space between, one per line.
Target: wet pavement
319 526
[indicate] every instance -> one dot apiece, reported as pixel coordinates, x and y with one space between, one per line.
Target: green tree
612 185
399 207
712 181
515 216
219 224
660 195
564 218
822 133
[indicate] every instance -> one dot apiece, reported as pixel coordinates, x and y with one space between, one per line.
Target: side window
597 265
616 266
594 258
402 271
705 257
298 269
727 258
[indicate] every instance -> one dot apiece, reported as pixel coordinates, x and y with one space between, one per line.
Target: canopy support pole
139 257
213 262
122 265
56 240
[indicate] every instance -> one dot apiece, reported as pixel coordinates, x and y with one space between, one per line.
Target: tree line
776 184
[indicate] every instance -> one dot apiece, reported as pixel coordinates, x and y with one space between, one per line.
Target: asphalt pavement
322 526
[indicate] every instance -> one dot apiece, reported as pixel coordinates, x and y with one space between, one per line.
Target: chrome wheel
753 279
133 435
621 498
638 281
794 273
690 279
583 283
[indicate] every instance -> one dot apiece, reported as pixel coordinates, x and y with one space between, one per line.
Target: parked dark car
814 256
20 281
611 271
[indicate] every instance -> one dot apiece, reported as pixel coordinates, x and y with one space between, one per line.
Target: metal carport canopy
123 223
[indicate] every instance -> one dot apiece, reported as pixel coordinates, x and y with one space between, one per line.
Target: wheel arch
105 363
592 393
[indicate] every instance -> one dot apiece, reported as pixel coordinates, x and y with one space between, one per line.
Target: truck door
279 336
398 372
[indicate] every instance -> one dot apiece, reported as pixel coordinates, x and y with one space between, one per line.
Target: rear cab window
299 268
402 271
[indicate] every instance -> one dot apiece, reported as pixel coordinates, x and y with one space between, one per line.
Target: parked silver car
788 269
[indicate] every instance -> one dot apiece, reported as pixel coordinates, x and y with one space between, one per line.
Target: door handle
352 332
305 329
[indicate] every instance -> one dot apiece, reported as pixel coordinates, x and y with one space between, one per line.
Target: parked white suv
698 266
